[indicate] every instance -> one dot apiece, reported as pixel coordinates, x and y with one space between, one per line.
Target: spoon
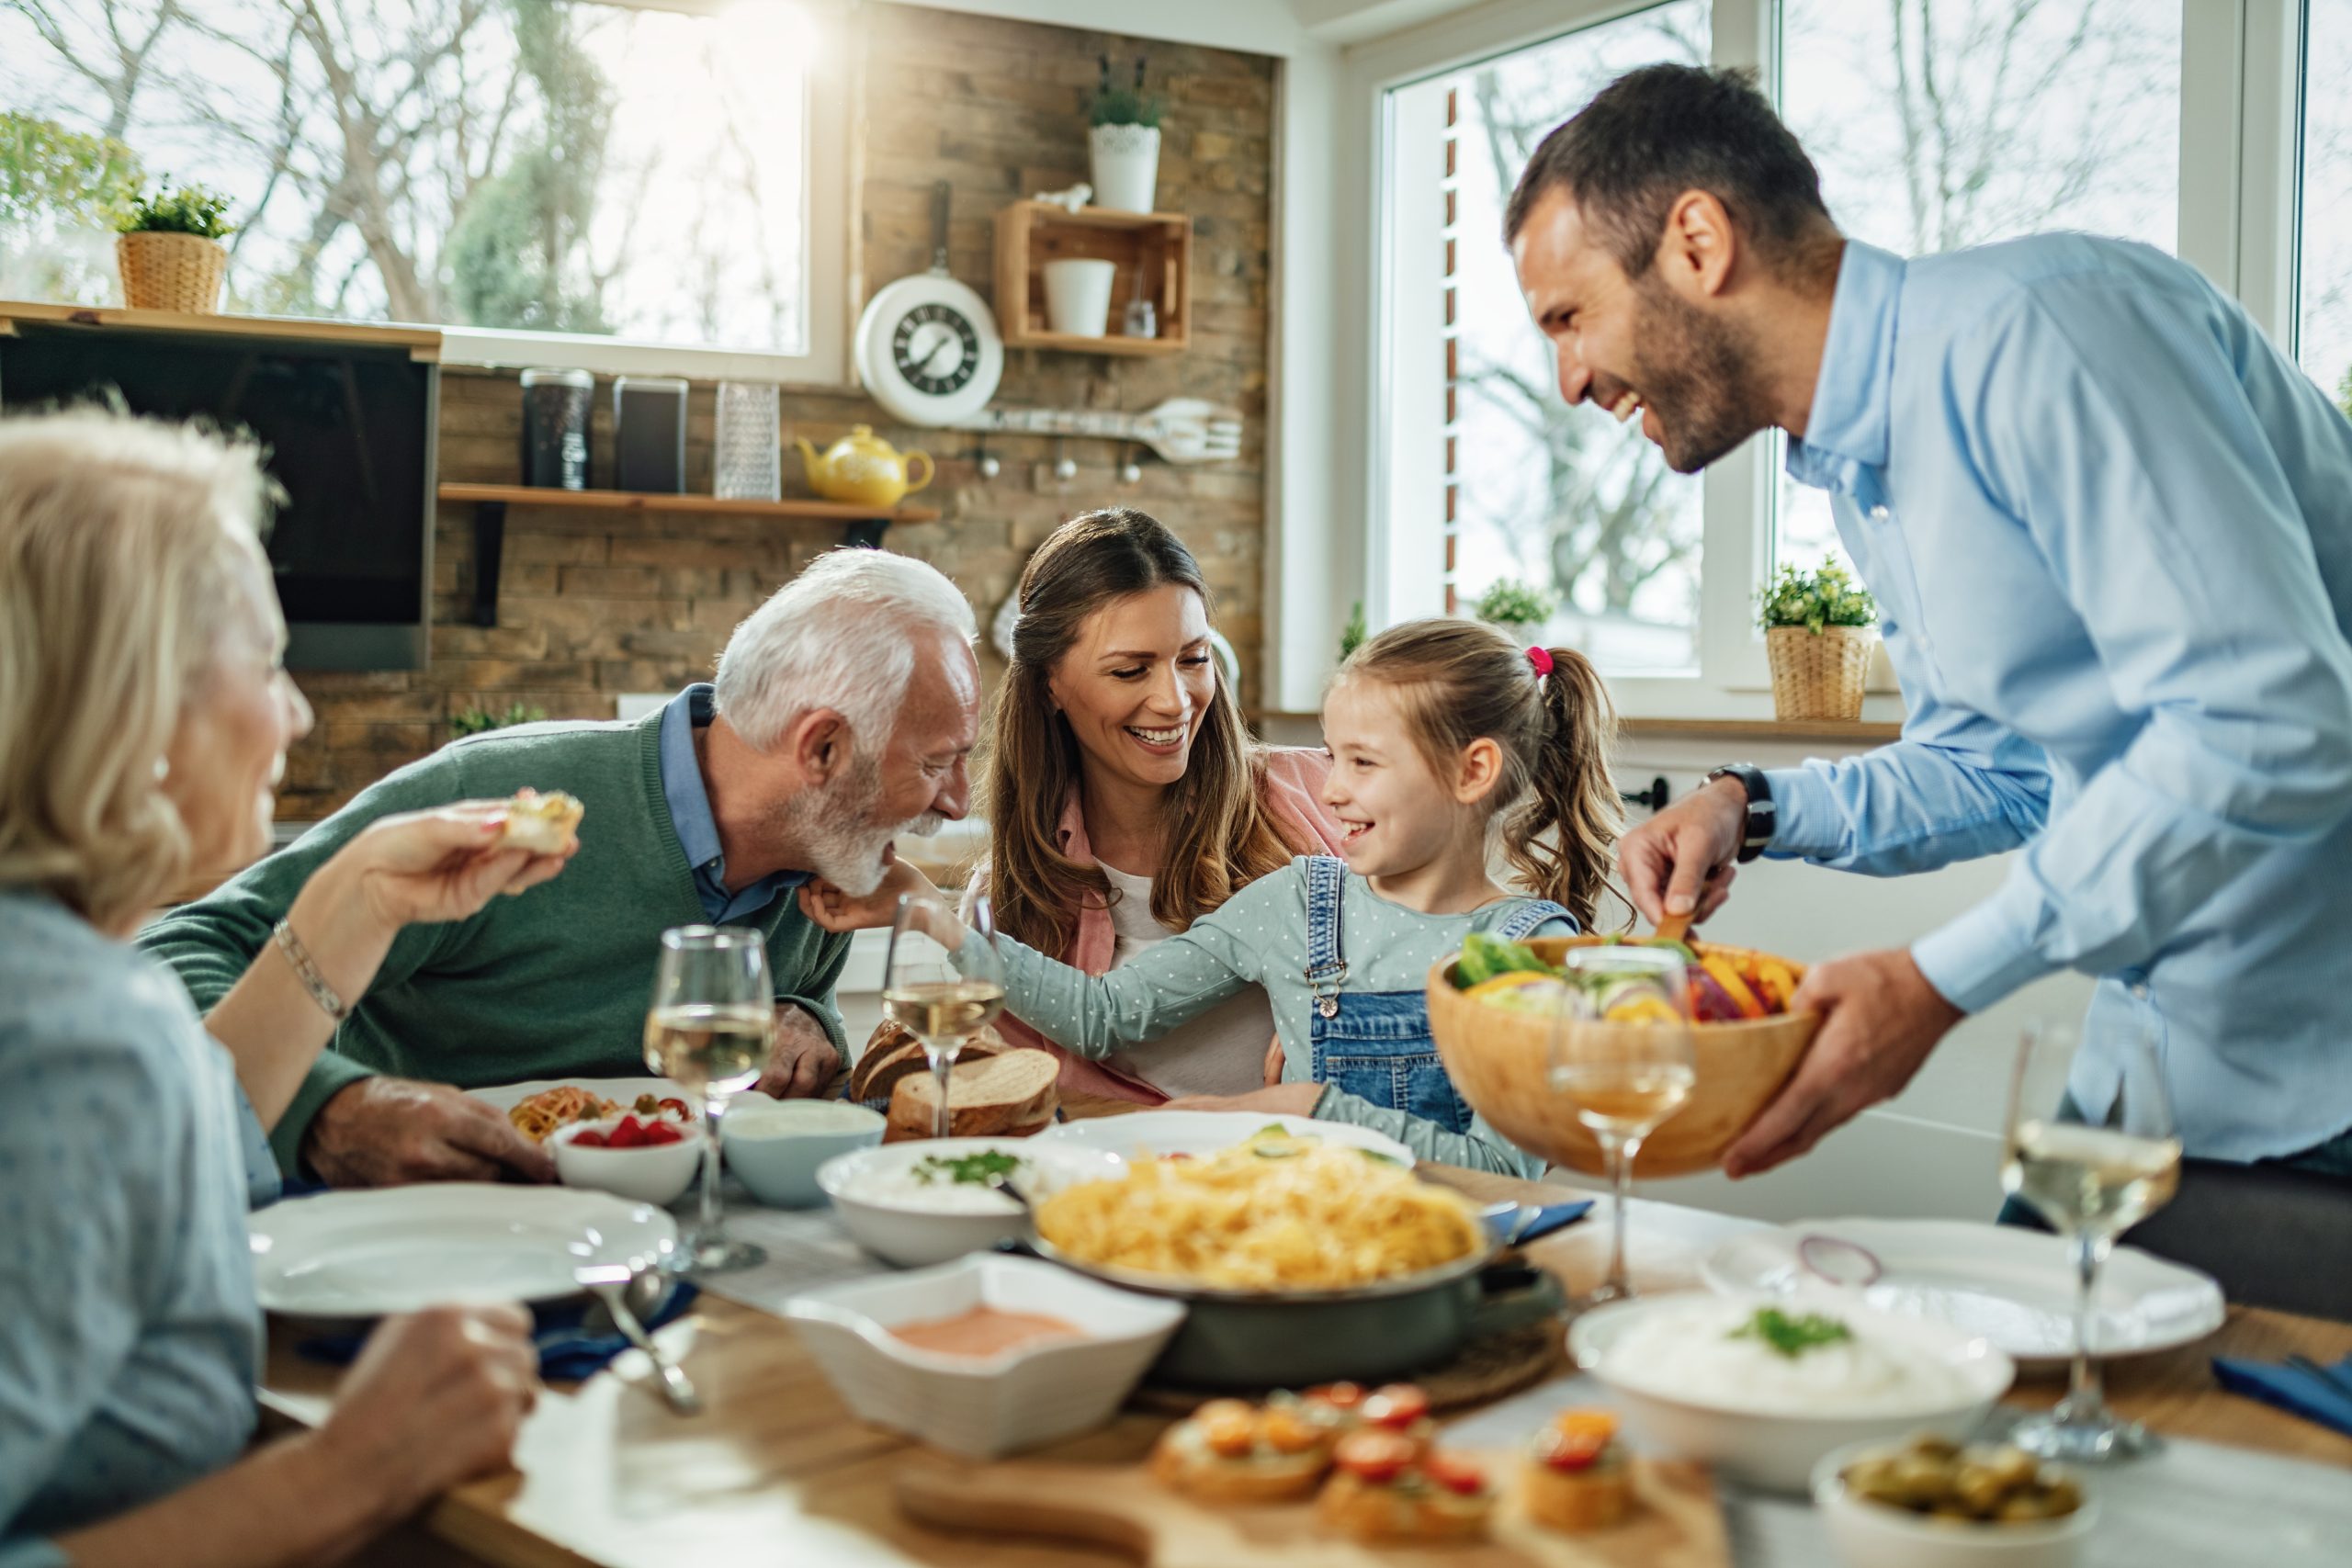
614 1284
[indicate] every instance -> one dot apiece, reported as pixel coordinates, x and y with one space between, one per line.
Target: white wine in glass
941 996
2090 1184
1622 1058
708 1029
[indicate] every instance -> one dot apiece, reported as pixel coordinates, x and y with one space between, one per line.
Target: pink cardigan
1294 795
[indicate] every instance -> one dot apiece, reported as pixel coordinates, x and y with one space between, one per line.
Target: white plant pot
1078 296
1126 166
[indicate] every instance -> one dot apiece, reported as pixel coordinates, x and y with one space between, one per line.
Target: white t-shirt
1221 1052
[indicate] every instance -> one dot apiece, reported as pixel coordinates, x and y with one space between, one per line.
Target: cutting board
1122 1507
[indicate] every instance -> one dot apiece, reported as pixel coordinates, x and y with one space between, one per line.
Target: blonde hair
1460 680
119 545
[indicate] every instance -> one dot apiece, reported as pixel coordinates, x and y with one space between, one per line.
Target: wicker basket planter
1819 675
164 271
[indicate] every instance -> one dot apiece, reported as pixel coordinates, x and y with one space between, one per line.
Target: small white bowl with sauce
777 1146
985 1356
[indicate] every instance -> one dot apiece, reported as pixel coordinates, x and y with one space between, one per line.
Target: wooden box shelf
1153 253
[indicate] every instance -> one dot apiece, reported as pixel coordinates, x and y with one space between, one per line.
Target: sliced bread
1010 1094
893 1053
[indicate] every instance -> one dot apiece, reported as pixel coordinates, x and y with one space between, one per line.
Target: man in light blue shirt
2109 525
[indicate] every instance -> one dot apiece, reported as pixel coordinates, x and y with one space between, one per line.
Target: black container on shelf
555 428
649 434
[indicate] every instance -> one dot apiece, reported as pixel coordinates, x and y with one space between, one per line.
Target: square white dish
983 1407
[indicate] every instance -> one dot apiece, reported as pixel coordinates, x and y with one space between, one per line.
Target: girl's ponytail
1559 839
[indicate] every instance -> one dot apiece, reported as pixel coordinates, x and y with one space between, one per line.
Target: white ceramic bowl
1871 1535
984 1408
1778 1450
656 1173
776 1149
870 1194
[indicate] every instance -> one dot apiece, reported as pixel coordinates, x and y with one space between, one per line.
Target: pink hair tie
1541 659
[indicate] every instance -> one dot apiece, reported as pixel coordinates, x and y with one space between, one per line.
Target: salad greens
1484 957
977 1169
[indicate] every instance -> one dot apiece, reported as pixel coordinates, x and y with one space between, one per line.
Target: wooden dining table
776 1470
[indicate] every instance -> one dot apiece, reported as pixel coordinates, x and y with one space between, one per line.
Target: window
1585 513
1940 127
611 174
2324 341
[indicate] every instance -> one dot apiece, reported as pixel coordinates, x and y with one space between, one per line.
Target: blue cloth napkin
1547 1219
568 1352
2290 1389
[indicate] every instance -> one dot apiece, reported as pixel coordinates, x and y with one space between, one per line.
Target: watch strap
1763 816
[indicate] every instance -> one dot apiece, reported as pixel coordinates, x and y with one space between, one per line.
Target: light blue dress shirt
129 1340
689 801
2109 525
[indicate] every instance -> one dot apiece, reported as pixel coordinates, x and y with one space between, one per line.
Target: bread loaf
1005 1094
892 1054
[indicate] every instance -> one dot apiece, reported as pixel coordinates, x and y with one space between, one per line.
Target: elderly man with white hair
843 712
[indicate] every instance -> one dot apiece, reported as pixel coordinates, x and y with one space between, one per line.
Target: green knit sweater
551 984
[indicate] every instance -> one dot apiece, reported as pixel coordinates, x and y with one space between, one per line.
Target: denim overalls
1376 1043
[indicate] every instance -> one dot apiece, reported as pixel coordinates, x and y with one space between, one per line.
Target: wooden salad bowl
1499 1061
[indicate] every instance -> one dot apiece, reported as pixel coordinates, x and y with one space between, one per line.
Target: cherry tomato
1561 1451
1396 1406
1338 1396
1376 1457
677 1107
1457 1475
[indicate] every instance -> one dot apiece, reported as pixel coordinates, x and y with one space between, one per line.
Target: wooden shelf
862 524
641 501
1153 253
423 344
1860 734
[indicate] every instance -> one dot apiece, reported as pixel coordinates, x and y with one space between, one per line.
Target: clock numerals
936 349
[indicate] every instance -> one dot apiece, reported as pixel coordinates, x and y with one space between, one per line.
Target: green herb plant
1352 635
1792 1337
474 721
190 209
1514 606
973 1169
1123 106
1814 600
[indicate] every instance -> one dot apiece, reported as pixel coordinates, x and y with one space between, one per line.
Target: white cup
1078 296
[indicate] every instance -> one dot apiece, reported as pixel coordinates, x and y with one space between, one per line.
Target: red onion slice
1839 1261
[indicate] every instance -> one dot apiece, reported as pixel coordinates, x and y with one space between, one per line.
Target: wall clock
927 347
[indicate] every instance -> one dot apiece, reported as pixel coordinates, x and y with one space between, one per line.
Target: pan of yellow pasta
1301 1262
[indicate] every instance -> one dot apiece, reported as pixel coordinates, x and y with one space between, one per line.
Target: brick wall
594 604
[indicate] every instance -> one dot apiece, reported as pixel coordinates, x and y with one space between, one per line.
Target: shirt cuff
1979 958
328 1077
1806 822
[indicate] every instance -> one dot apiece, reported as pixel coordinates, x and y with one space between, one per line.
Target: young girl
1436 728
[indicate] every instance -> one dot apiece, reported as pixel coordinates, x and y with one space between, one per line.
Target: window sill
1864 733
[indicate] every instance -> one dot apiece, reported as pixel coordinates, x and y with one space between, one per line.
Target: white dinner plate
506 1097
455 1244
2015 1287
1148 1134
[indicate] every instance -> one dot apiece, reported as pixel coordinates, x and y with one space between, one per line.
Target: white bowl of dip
902 1204
1692 1387
985 1356
777 1148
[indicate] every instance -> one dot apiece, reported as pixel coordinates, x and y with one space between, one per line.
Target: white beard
842 845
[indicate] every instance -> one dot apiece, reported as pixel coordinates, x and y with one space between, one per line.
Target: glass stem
708 1226
2085 1401
1621 1182
941 1065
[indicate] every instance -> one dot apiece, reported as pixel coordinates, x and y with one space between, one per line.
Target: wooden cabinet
1153 253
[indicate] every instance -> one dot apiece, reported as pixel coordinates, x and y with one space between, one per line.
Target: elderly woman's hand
437 865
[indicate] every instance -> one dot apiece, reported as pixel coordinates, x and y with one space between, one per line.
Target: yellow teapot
864 469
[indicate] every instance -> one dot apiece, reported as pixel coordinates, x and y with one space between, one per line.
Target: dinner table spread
777 1469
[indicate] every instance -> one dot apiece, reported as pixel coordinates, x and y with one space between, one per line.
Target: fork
1180 430
611 1282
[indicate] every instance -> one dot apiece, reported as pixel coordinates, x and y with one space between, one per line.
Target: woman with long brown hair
1123 797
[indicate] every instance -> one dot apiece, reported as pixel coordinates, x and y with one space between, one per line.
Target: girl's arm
1481 1148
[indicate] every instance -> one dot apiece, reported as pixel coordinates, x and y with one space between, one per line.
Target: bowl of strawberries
649 1158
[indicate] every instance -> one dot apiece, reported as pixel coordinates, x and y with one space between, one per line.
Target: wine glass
1621 1055
708 1029
2090 1183
942 998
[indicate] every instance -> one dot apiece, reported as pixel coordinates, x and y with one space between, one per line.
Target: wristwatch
1763 816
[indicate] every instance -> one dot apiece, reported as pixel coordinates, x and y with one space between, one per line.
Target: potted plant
1818 633
1125 143
1517 608
479 720
170 251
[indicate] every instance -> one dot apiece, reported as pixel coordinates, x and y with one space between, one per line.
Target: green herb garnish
1791 1336
974 1169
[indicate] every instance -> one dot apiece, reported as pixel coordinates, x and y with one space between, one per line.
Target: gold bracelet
306 971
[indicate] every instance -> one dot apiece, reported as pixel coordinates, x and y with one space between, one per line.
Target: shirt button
1878 514
2139 990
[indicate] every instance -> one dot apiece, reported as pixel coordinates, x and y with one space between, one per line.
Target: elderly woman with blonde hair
144 718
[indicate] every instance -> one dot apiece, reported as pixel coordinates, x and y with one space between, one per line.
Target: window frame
2240 137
